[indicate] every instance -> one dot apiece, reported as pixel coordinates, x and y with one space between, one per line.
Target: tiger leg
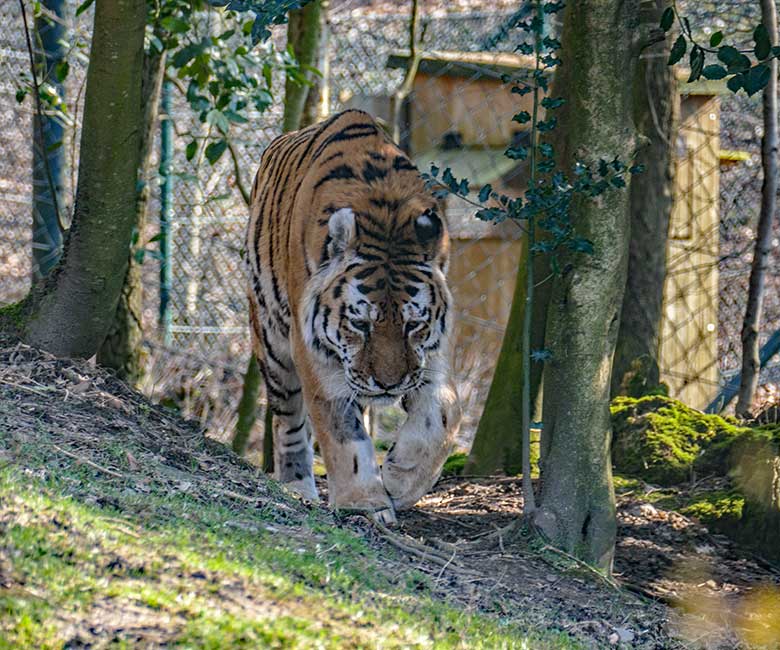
293 449
354 480
424 441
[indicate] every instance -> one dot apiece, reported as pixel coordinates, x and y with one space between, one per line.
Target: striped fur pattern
349 306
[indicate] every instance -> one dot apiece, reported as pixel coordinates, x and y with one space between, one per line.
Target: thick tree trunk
751 364
303 33
123 348
498 441
577 502
72 314
656 114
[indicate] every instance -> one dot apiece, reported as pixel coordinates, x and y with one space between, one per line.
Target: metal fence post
48 152
166 210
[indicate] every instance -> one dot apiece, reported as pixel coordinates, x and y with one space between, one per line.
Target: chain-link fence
459 115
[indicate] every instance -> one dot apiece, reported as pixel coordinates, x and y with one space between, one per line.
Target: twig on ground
85 461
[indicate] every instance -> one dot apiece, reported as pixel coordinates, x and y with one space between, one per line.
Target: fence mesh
459 115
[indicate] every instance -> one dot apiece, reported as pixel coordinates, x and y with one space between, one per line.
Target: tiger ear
341 230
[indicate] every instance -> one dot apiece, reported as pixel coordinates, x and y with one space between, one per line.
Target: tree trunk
317 104
656 113
303 34
498 442
48 149
72 313
400 95
123 349
247 407
751 365
577 501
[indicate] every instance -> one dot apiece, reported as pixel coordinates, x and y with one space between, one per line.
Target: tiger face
379 304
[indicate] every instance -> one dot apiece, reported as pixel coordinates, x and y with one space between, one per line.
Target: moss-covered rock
663 441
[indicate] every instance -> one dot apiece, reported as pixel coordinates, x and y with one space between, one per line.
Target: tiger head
378 308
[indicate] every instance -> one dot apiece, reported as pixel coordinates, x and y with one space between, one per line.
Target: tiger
349 306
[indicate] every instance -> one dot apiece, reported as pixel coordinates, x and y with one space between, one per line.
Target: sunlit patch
759 614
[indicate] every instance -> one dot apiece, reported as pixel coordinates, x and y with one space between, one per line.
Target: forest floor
122 526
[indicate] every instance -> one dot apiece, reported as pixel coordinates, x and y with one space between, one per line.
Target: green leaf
215 150
716 38
156 237
174 25
218 119
697 63
714 72
756 79
636 169
763 45
678 50
667 19
546 150
516 153
61 71
484 193
21 93
549 102
735 83
434 170
522 117
84 6
191 150
734 59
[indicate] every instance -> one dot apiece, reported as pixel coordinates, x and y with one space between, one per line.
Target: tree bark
72 313
635 370
498 442
317 104
400 95
751 364
577 501
123 348
303 34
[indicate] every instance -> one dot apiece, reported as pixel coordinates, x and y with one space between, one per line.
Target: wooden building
459 116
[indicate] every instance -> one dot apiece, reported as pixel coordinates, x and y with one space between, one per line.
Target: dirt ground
675 584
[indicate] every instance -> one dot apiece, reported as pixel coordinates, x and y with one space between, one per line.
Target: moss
720 508
454 465
13 317
663 441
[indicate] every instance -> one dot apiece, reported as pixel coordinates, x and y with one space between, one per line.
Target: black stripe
342 172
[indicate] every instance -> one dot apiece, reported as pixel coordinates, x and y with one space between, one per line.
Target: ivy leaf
522 117
763 45
697 63
21 93
667 19
714 72
215 150
521 90
636 169
191 150
549 102
546 150
581 245
617 181
678 50
484 193
716 38
434 170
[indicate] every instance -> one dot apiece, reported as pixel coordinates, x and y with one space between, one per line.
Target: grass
134 569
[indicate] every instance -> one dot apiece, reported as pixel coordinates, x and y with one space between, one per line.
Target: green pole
166 210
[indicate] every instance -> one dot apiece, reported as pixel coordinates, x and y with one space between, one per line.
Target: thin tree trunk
400 95
635 370
317 104
498 442
72 313
577 501
751 365
303 33
123 348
